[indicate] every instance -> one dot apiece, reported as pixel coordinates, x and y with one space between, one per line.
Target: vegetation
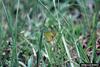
49 33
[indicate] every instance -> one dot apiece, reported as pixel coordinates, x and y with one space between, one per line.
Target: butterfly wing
49 36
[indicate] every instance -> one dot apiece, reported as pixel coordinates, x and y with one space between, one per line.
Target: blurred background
49 33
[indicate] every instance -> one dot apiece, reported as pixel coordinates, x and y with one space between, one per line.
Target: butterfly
49 36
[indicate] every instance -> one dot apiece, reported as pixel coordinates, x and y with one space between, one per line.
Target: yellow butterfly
49 36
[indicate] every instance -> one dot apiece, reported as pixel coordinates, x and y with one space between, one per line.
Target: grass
12 30
48 33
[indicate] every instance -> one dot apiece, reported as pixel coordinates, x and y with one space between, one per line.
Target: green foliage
23 24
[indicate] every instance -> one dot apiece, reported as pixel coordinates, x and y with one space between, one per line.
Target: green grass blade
67 51
13 32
